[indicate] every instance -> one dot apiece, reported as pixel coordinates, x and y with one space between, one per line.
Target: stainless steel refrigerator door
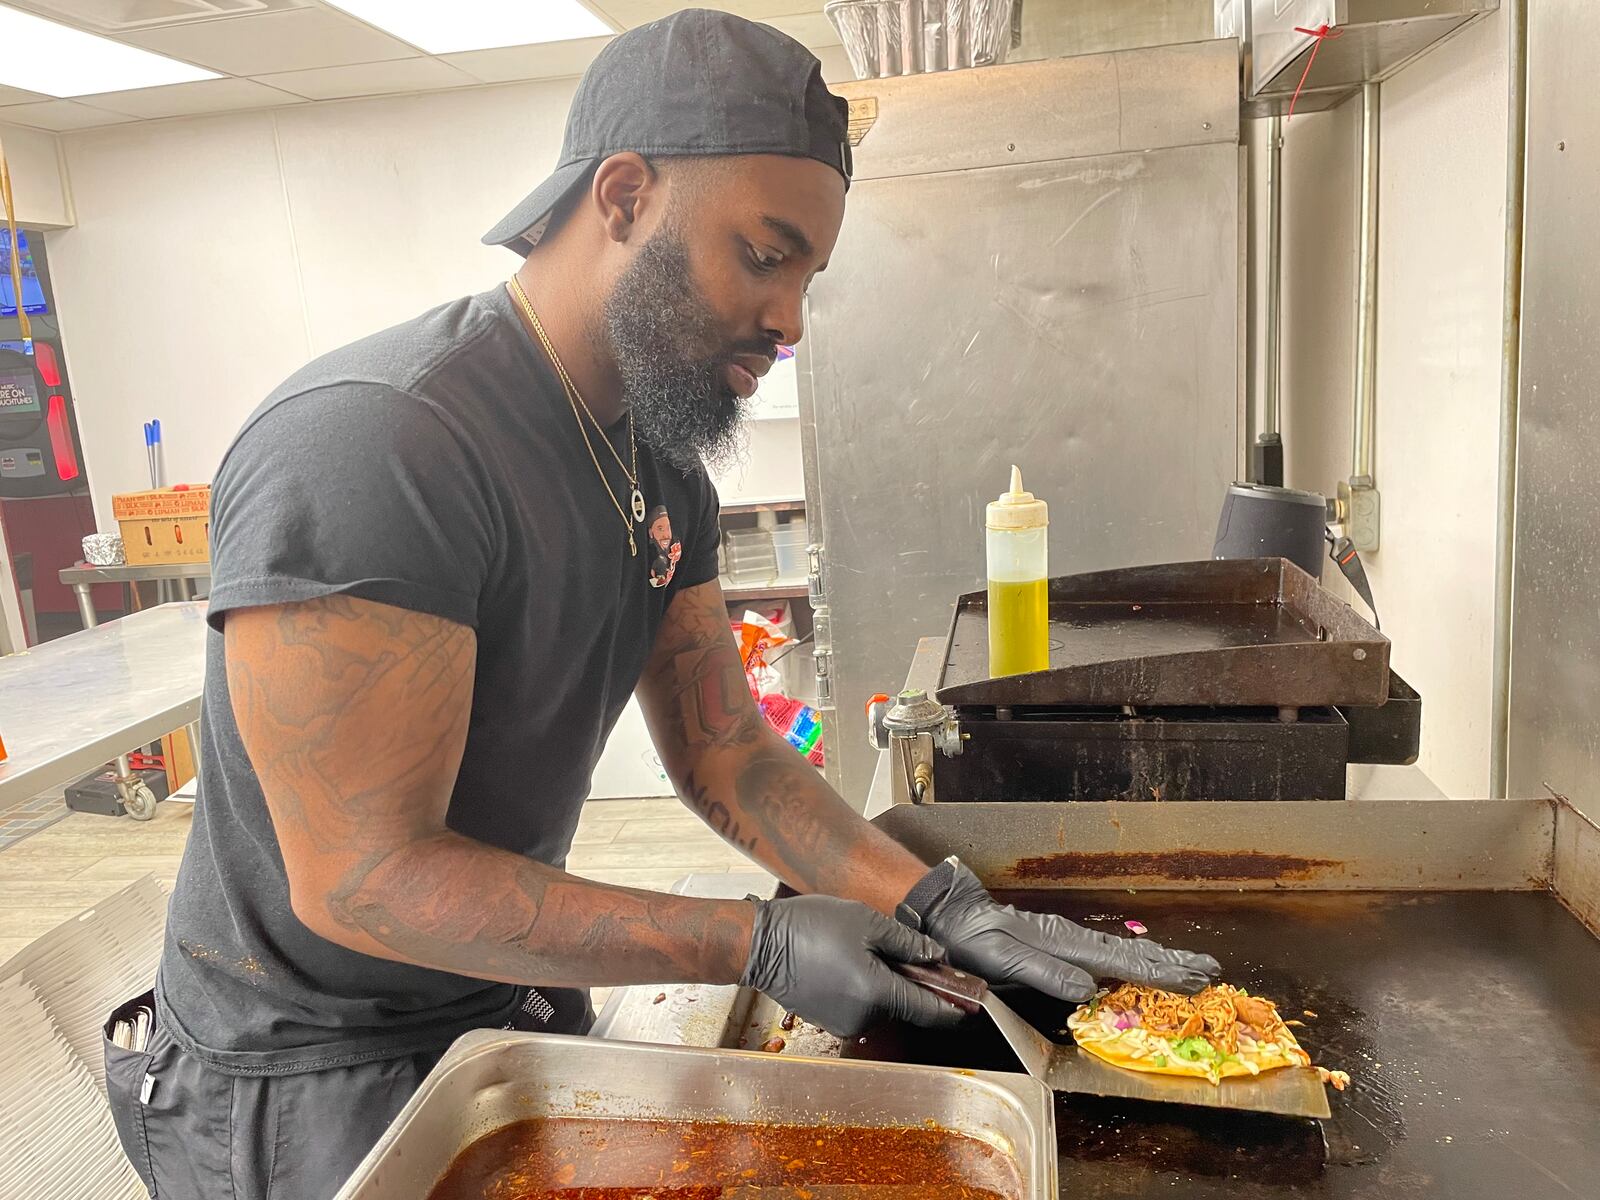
1077 316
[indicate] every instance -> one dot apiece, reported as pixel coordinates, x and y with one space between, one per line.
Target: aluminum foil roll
104 550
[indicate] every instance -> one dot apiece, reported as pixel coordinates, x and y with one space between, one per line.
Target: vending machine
45 509
39 450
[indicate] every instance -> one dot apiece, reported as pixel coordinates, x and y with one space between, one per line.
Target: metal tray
490 1079
1250 632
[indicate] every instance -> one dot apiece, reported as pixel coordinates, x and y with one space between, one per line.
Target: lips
741 381
745 379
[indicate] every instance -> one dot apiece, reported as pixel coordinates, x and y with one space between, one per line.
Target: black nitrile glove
824 958
1047 953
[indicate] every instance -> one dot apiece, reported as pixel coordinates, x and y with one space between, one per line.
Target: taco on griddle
1222 1031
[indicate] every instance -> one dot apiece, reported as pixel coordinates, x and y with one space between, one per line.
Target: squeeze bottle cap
1017 509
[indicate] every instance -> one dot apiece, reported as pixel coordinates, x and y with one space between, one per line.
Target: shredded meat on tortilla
1219 1014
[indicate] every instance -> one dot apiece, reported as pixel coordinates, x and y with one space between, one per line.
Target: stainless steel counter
74 704
177 581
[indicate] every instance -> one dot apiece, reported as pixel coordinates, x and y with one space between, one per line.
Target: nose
784 320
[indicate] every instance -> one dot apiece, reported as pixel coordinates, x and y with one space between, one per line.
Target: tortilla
1221 1032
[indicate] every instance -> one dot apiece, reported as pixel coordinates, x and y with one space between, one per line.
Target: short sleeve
352 489
699 564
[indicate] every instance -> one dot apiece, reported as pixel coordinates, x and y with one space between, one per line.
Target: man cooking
432 596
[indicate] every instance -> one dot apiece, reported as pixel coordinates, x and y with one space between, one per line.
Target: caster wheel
141 802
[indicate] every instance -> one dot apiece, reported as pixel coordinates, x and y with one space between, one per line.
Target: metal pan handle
965 991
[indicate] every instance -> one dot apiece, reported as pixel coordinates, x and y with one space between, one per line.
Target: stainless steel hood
1371 40
1039 265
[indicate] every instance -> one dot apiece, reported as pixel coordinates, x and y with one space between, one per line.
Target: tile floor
74 861
28 818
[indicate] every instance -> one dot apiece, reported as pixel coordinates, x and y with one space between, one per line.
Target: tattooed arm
744 780
354 715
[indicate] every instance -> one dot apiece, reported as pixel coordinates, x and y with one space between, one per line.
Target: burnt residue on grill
1467 1021
1179 865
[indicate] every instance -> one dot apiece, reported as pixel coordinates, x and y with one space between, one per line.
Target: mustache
759 346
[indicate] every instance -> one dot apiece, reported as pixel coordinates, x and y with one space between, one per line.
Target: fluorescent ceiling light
58 60
445 26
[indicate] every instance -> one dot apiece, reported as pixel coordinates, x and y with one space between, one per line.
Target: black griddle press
1213 680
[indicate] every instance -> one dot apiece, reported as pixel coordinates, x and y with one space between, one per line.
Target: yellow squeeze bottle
1016 528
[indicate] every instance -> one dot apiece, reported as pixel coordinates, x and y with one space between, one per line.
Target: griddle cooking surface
1086 633
1467 1020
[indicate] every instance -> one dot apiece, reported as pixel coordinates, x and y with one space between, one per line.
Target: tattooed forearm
744 780
458 905
715 814
355 715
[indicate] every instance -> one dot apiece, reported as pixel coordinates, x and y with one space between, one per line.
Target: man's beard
657 323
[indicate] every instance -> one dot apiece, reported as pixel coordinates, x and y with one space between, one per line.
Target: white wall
213 256
1440 294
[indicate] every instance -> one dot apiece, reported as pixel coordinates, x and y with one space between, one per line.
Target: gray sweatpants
193 1132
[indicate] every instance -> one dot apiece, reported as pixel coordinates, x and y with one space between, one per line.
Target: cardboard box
167 525
179 756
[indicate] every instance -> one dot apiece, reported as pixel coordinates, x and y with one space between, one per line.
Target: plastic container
1016 540
750 557
789 543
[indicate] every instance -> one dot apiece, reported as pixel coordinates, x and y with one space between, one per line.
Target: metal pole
193 730
1361 472
1271 419
86 605
1510 387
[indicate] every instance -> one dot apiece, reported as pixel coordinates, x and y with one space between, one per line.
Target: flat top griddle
1216 633
1467 1020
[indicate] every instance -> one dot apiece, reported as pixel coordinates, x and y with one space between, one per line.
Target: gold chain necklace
574 393
575 399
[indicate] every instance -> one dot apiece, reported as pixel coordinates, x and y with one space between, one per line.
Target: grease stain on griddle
1180 865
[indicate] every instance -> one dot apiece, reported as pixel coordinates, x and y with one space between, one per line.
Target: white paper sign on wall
779 394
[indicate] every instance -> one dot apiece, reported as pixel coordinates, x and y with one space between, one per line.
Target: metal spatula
1291 1091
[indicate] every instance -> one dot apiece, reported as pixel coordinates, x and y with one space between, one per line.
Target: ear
624 187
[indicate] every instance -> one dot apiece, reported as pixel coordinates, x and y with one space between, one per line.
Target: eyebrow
801 243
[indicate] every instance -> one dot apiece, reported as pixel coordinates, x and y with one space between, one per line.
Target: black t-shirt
438 467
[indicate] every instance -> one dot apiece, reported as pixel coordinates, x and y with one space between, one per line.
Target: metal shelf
758 506
782 589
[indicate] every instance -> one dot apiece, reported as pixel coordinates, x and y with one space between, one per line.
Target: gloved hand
1047 953
824 958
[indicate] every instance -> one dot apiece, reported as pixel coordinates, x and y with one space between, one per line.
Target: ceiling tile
297 40
60 115
11 95
371 79
190 99
547 60
628 13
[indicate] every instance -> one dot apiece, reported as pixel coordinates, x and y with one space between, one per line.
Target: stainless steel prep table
82 578
74 704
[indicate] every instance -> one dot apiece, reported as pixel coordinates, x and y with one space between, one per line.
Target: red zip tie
1321 33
